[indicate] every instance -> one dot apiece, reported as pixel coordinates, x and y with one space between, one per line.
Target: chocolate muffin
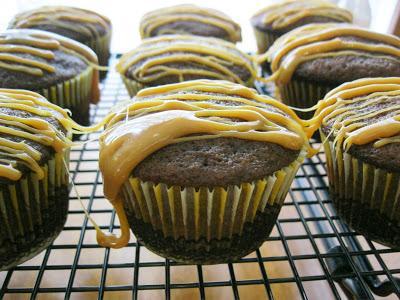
174 58
84 26
362 122
34 142
52 65
277 19
311 60
200 169
191 20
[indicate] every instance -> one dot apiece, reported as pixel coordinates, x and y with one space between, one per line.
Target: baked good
57 67
199 169
362 121
82 25
34 153
174 58
279 18
311 60
192 20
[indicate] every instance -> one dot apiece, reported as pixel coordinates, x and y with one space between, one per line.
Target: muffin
84 26
57 67
191 20
277 19
34 142
362 122
174 58
200 169
311 60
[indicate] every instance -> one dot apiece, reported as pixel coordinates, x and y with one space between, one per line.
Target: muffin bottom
369 222
208 252
23 248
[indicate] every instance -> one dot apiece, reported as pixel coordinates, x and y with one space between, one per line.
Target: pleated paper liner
366 197
73 94
206 217
302 94
101 46
132 86
264 39
33 212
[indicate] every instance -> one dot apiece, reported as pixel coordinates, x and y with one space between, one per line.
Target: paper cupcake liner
209 213
264 39
101 46
73 94
33 212
132 86
366 197
302 94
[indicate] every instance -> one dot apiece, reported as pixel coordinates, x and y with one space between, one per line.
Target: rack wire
310 254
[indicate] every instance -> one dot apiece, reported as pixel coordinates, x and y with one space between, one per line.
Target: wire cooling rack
309 255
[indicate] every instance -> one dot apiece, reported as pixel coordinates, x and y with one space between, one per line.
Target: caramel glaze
325 40
210 57
289 12
191 110
190 13
348 107
42 44
70 18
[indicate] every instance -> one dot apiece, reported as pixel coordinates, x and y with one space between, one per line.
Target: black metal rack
312 250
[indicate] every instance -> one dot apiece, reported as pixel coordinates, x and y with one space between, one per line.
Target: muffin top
189 19
363 118
76 23
31 131
333 53
287 15
34 60
198 133
173 58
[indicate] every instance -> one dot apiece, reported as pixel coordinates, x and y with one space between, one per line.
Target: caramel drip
325 40
190 13
187 111
70 18
36 128
289 12
349 109
155 58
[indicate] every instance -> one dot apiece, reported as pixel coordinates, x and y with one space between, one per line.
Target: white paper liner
214 213
73 94
302 94
264 39
362 183
23 211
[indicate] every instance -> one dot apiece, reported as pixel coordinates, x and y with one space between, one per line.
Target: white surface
125 15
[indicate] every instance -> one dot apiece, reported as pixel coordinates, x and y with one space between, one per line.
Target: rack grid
310 254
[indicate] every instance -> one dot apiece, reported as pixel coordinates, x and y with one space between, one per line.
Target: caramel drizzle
70 18
325 40
34 128
289 12
182 112
217 55
41 45
191 13
349 105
